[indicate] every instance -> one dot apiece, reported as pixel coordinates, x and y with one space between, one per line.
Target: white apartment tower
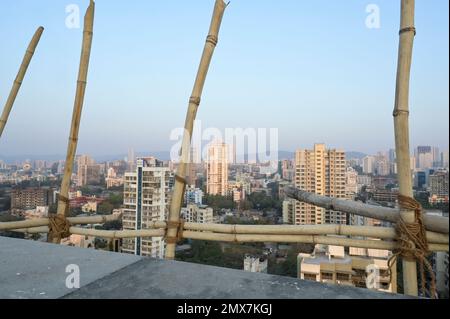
217 169
320 171
146 198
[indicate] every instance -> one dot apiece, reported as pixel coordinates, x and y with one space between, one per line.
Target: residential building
438 182
201 214
146 199
424 157
330 264
369 164
351 183
217 169
31 197
255 263
320 171
88 172
193 195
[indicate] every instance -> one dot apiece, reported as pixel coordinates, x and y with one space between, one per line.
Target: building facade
146 199
30 198
320 171
217 169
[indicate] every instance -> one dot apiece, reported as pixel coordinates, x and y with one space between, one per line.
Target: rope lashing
58 224
59 227
413 244
179 227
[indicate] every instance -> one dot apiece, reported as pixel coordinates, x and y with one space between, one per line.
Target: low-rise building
255 263
330 264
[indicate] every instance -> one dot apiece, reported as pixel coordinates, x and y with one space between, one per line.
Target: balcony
36 270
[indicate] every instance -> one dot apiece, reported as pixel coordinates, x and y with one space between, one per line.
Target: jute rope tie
179 227
59 226
413 244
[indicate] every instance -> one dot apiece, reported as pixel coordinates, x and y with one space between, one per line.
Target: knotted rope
58 227
58 224
179 236
413 244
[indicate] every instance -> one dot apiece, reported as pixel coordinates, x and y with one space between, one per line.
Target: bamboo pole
401 128
194 102
118 233
31 223
330 229
241 238
433 223
63 205
309 239
19 78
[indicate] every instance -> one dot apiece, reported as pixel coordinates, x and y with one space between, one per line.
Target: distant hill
358 155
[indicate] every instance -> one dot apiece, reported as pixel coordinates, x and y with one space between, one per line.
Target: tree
105 208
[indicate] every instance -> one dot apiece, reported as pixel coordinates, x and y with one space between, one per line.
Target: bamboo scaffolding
194 102
19 78
32 226
45 222
401 128
118 233
63 204
432 223
241 238
308 239
344 230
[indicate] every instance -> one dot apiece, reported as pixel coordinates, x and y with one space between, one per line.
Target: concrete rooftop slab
31 269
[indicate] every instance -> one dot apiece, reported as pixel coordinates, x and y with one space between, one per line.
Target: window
327 276
311 277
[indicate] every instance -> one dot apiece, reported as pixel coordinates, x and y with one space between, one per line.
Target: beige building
320 171
330 264
87 171
217 169
201 214
146 198
112 180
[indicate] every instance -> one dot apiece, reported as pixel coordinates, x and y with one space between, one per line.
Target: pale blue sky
310 68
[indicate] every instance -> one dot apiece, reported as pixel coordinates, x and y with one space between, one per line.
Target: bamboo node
413 243
194 100
212 39
398 112
180 179
58 228
408 29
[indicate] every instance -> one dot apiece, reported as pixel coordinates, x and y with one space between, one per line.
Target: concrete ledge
37 270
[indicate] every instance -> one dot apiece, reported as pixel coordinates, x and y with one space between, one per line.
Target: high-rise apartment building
146 198
424 157
87 171
368 164
217 169
320 171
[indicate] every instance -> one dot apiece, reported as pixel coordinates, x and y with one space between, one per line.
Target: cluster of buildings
147 185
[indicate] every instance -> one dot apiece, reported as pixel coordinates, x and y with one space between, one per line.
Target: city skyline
288 91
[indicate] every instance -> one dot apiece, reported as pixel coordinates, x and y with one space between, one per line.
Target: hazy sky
312 69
